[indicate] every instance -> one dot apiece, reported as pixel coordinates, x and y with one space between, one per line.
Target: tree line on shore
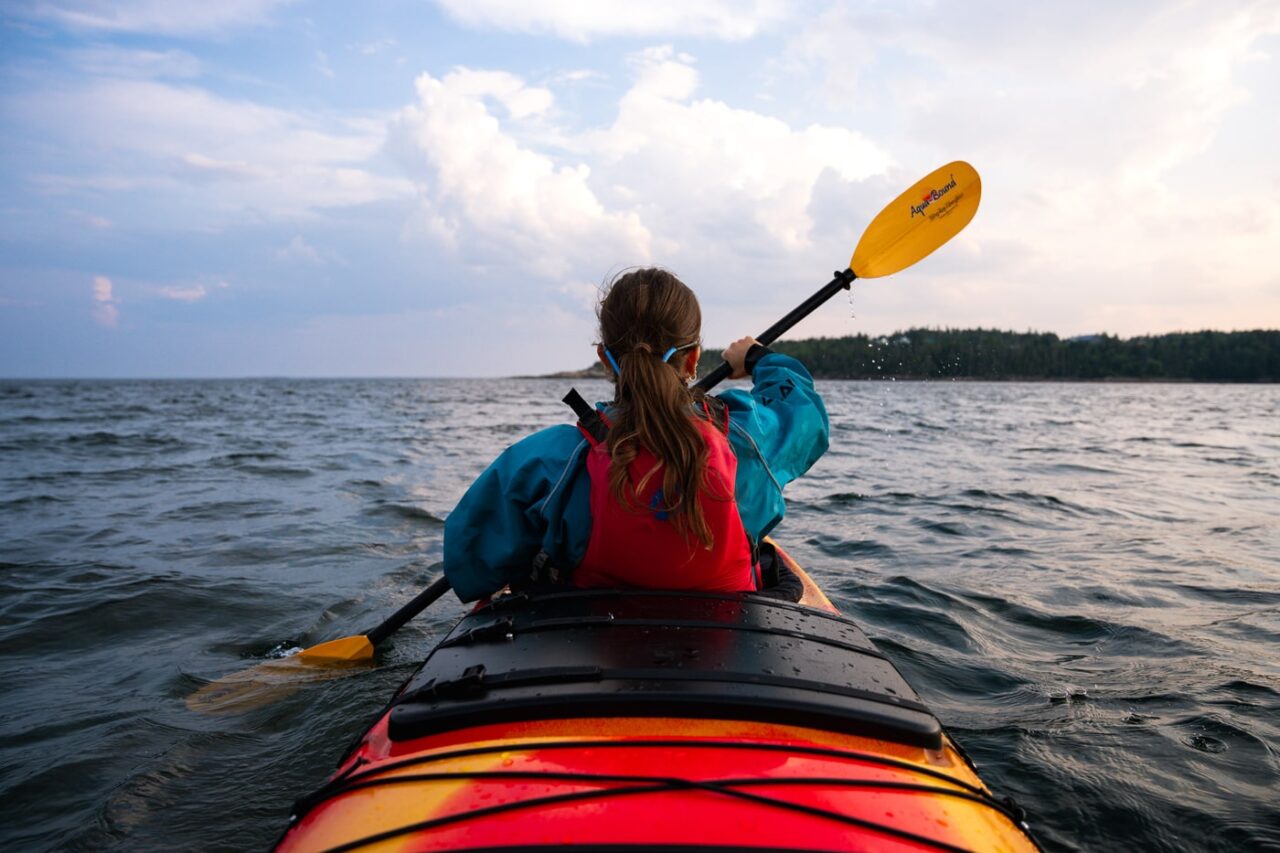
1252 356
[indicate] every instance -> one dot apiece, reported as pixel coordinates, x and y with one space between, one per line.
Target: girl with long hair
660 488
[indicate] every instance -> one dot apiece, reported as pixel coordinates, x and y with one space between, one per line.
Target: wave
127 441
405 511
225 510
1108 637
32 500
284 471
833 546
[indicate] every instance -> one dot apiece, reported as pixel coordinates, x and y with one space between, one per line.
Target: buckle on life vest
591 423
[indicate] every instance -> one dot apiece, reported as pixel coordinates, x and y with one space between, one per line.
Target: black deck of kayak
628 653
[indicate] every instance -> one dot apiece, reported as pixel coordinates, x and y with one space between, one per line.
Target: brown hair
643 313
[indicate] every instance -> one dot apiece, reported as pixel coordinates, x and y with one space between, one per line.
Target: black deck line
481 634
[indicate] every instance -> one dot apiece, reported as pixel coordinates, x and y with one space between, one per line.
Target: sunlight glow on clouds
1089 152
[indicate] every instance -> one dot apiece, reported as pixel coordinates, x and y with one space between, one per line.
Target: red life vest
640 547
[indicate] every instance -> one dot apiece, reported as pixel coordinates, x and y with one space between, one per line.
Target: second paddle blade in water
269 682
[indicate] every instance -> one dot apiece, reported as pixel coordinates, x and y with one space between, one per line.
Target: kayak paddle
932 211
912 226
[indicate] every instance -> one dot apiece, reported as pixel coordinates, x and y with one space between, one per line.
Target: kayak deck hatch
632 653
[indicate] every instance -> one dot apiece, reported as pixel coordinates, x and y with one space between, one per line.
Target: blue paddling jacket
533 501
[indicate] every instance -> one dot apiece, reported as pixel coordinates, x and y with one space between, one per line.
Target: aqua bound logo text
931 196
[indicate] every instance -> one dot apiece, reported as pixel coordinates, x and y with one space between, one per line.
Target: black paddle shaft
421 602
842 281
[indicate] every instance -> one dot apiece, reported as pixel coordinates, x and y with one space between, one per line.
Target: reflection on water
1081 579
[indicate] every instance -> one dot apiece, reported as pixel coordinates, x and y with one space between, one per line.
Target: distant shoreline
991 355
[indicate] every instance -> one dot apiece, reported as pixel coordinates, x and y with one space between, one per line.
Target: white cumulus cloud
672 179
708 170
495 199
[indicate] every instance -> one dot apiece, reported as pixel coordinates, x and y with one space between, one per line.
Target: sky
418 188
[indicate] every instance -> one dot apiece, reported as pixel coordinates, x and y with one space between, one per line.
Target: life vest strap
590 423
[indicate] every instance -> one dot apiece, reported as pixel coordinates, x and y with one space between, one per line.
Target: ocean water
1083 580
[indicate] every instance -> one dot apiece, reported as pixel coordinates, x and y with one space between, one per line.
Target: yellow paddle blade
275 679
346 649
935 209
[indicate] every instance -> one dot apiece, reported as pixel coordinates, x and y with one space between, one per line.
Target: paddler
662 488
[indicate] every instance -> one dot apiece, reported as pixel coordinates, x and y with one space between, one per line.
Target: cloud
237 169
217 159
106 315
300 250
158 17
584 294
672 179
579 75
99 223
322 64
191 293
1098 156
105 311
731 20
112 61
494 199
372 48
1111 102
102 289
519 99
712 172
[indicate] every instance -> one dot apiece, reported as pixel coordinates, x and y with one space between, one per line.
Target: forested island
1252 356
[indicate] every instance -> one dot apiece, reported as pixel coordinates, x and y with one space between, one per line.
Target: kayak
646 720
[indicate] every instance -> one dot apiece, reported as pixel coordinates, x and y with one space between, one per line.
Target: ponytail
645 314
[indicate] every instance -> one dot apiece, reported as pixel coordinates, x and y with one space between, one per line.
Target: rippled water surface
1082 580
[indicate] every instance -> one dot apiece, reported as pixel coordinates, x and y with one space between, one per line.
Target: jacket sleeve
780 428
498 527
